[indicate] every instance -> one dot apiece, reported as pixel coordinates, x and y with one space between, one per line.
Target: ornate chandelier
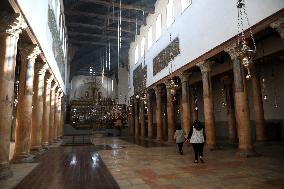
244 51
172 85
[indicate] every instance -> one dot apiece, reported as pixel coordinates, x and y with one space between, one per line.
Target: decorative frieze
166 56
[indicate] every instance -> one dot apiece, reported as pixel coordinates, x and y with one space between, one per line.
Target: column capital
54 84
231 50
184 77
12 23
157 89
278 25
29 51
40 68
205 66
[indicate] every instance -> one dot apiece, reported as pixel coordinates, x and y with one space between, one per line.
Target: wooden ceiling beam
80 42
96 35
123 6
101 16
94 26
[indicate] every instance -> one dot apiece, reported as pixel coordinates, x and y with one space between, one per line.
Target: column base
171 142
212 147
247 153
45 146
5 171
35 148
23 158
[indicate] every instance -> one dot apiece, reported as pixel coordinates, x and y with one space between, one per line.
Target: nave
127 165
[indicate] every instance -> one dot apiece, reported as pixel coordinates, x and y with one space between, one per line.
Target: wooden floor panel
77 167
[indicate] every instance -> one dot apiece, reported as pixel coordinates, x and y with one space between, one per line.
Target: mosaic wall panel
165 56
139 79
57 43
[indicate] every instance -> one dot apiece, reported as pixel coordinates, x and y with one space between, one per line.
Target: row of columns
238 118
39 119
236 96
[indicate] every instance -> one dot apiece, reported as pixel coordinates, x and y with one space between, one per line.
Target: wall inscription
166 56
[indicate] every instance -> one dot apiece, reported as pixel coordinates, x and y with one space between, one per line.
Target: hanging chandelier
244 52
172 85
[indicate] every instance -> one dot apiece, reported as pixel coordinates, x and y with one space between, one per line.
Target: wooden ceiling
93 24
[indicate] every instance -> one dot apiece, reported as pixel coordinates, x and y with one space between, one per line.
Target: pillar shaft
131 118
185 103
11 26
208 103
241 105
51 114
231 119
150 117
56 118
46 111
136 118
37 107
159 113
24 111
258 107
170 115
142 118
242 108
59 125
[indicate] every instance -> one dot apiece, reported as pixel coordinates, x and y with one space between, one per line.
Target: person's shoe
195 161
181 152
201 160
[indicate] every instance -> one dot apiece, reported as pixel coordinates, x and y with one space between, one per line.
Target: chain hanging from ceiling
244 51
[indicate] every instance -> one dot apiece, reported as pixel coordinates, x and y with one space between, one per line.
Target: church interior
94 92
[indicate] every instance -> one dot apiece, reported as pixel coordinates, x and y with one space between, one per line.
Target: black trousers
198 149
180 145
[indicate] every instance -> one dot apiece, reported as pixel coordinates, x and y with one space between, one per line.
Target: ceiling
93 24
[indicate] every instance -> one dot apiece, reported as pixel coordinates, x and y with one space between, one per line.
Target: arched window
150 38
170 12
136 54
142 46
158 26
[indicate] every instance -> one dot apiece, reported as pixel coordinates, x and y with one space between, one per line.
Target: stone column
170 114
231 119
142 118
59 121
150 116
29 53
205 68
136 118
158 90
51 114
11 26
185 106
62 110
258 106
46 110
56 111
131 118
241 105
37 113
193 106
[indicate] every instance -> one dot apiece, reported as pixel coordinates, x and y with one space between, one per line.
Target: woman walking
179 137
197 138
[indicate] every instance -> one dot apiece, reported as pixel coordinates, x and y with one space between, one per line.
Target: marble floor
162 167
134 163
